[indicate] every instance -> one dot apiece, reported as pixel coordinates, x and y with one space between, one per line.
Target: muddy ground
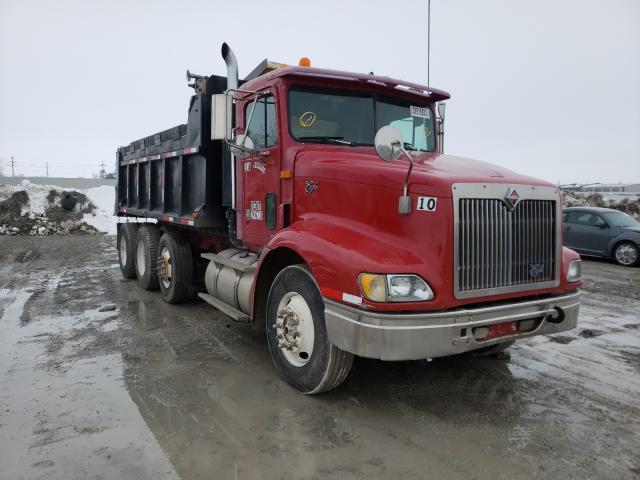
146 390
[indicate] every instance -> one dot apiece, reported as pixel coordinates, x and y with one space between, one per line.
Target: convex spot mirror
388 143
242 146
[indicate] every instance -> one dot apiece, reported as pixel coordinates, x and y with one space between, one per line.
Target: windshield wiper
339 140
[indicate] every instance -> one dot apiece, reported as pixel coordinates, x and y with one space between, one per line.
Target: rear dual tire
297 336
163 262
147 241
127 239
175 268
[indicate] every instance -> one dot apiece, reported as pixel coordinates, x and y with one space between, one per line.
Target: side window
584 218
572 217
262 129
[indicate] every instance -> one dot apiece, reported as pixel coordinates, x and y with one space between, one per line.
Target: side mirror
242 146
441 108
601 224
387 142
389 146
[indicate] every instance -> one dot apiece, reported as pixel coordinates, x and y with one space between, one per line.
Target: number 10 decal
427 204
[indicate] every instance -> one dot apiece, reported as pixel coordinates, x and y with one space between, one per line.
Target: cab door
260 172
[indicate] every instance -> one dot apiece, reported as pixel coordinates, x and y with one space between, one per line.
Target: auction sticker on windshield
422 112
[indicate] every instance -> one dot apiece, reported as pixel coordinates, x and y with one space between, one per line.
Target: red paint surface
350 224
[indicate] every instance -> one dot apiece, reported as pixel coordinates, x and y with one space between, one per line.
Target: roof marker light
304 62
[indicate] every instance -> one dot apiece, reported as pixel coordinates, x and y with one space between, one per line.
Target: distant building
603 188
613 188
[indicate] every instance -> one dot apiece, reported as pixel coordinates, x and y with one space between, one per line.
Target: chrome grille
499 249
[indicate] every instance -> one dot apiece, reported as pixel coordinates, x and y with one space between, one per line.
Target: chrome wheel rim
164 273
295 332
626 254
141 261
123 249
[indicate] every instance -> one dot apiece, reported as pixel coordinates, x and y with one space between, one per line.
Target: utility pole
47 165
103 173
13 173
428 42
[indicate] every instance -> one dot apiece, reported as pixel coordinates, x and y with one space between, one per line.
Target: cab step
225 308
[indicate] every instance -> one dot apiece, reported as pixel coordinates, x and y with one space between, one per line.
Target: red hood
432 173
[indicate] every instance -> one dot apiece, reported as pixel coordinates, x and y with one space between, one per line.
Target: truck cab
352 233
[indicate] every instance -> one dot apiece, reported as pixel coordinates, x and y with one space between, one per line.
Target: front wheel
297 336
626 254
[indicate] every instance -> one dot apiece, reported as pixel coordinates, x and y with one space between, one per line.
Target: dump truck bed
177 175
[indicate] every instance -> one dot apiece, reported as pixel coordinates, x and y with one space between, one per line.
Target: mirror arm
246 128
404 203
406 154
236 146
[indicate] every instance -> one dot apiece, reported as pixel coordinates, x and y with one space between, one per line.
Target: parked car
603 232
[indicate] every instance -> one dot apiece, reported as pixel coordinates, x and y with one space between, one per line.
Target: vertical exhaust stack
232 66
232 83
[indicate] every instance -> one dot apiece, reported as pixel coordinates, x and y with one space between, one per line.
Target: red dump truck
319 204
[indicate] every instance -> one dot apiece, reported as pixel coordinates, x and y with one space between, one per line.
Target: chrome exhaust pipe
232 66
232 84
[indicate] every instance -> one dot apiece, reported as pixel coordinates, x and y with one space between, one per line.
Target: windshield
621 219
354 119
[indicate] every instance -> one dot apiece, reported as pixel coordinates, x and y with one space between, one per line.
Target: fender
337 250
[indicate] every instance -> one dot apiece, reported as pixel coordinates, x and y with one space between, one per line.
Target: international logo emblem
511 198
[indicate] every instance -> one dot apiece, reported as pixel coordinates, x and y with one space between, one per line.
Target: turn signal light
373 286
286 174
304 62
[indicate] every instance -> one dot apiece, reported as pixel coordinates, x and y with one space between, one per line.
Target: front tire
127 249
626 254
175 268
147 257
297 336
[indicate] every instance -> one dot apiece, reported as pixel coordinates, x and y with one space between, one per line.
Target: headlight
394 288
575 271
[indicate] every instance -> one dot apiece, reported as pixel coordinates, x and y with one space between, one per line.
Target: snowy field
95 210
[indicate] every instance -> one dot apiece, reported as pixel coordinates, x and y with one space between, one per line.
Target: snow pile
30 209
102 218
626 203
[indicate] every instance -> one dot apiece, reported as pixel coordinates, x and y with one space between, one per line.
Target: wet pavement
151 390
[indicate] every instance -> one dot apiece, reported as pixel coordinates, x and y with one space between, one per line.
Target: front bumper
413 336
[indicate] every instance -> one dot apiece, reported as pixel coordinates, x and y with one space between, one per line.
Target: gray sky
549 88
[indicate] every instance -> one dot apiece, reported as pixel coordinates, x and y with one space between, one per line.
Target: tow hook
558 318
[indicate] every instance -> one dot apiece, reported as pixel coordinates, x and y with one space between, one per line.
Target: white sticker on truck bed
427 204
